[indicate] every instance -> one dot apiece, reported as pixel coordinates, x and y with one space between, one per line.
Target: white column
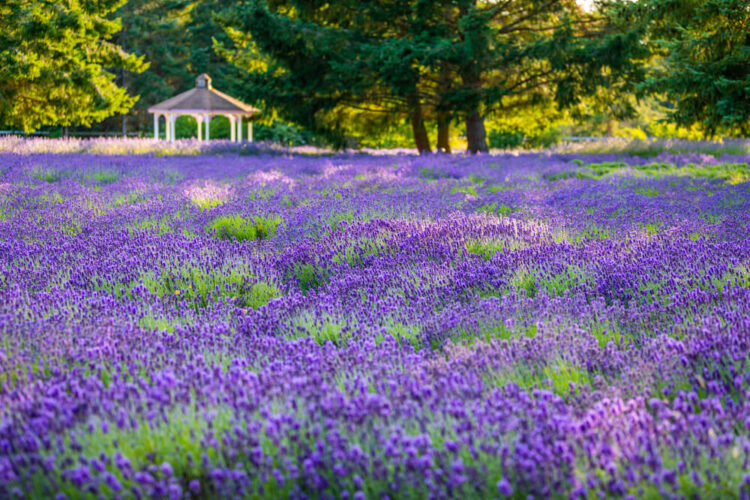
239 129
168 127
156 125
199 122
249 131
172 121
207 119
232 129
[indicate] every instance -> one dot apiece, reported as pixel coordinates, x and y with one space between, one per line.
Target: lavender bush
357 326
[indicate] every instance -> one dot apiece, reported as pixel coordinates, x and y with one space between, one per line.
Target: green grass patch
236 228
102 177
559 375
471 189
321 329
647 192
402 333
201 287
488 247
497 209
48 175
357 254
309 277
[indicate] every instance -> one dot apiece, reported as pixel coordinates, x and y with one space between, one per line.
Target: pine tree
57 61
703 65
451 59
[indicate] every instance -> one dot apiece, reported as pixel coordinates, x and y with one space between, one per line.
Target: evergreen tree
703 68
57 61
461 58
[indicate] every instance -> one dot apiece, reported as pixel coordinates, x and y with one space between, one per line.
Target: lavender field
361 326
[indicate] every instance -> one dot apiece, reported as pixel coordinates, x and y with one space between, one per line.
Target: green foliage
559 375
647 192
593 232
521 137
309 276
402 333
357 254
200 288
471 189
258 295
497 209
56 62
234 227
414 60
704 61
48 175
175 438
488 247
102 177
321 330
283 133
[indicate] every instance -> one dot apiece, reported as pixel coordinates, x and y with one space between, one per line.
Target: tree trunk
444 132
476 136
421 141
442 108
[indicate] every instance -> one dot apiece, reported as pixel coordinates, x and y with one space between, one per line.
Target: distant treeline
510 73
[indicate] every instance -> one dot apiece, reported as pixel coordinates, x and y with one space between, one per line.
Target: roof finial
203 81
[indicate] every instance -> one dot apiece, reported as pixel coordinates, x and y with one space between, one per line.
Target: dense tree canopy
459 58
342 67
56 61
704 65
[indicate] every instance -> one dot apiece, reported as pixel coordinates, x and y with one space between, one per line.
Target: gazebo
203 103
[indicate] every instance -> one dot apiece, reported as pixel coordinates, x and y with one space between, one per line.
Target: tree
317 62
451 59
517 53
56 63
704 65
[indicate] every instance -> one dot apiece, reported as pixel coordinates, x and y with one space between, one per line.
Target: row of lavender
372 327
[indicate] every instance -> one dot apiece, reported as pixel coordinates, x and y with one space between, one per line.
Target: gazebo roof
203 99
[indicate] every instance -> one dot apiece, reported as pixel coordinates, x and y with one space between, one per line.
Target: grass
102 177
497 209
647 192
236 228
150 322
178 438
559 375
593 231
162 225
402 333
357 254
48 175
308 277
471 189
202 287
730 173
321 329
129 199
488 247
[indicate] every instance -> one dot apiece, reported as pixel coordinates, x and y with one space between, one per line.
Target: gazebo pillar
249 131
156 125
232 128
172 122
239 129
199 122
207 119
